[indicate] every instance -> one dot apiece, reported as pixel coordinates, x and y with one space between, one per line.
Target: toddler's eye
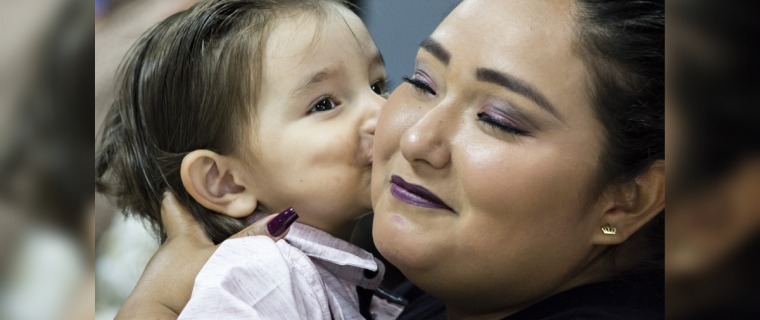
378 87
325 104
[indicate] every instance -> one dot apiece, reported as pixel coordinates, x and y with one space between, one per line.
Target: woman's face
495 123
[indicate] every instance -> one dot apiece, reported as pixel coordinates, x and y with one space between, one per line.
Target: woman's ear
217 183
630 207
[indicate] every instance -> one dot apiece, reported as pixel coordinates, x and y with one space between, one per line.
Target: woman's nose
427 142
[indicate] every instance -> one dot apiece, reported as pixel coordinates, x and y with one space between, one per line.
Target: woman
520 173
518 165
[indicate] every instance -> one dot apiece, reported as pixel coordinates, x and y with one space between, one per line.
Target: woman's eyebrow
505 80
437 50
518 86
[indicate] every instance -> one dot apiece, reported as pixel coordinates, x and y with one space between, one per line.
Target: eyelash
383 84
482 116
419 85
501 125
329 97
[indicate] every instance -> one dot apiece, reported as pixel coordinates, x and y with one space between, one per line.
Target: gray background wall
398 27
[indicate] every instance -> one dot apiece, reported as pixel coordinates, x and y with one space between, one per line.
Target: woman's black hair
623 44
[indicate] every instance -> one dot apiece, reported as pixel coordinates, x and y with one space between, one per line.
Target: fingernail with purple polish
282 222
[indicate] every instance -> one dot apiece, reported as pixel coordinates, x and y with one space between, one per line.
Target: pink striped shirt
309 275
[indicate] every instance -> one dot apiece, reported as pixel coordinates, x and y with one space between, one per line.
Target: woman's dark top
636 298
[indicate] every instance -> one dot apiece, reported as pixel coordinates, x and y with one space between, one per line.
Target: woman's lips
415 195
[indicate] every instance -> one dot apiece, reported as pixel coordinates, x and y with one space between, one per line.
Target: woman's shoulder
637 298
632 298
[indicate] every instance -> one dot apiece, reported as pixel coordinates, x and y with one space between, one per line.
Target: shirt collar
341 258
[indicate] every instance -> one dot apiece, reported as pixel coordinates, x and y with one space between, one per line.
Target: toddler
246 108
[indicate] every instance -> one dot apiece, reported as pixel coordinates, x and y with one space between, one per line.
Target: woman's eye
501 124
420 85
378 87
325 104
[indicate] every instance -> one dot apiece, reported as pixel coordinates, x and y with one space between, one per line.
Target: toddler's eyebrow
315 78
378 59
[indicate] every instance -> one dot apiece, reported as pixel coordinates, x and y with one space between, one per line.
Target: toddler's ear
217 183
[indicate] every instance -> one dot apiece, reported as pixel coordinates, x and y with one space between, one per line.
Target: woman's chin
398 241
413 255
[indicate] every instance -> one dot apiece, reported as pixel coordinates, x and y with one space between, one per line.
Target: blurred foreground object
713 141
46 255
124 246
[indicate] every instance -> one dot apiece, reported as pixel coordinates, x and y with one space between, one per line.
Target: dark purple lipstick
415 195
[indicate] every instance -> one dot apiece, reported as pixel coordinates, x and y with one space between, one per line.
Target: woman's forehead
529 40
516 26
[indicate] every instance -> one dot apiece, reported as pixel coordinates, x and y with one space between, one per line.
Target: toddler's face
322 90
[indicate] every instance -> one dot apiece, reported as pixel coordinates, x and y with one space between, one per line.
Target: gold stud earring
607 229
